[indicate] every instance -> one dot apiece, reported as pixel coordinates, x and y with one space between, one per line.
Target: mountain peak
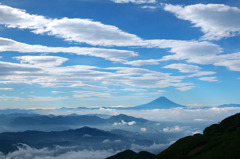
159 103
162 98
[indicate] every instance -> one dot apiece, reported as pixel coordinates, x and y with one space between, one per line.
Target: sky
71 53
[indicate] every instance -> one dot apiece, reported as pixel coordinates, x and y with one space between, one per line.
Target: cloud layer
134 1
215 20
108 54
27 152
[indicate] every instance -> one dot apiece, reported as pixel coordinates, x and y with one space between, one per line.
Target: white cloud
145 78
185 68
6 89
76 29
143 62
204 53
106 141
13 17
143 129
191 51
209 79
27 152
96 33
124 123
131 123
88 94
134 1
202 73
56 92
173 129
10 98
86 77
181 115
43 61
149 7
91 32
109 54
185 88
200 120
231 64
215 20
46 99
154 148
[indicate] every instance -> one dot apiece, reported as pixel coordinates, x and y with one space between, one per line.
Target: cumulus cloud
134 1
124 123
173 129
215 20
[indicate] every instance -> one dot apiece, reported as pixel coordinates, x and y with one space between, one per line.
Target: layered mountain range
159 103
218 141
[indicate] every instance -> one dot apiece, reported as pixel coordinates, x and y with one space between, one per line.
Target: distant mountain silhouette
218 141
82 138
128 154
159 103
229 105
18 120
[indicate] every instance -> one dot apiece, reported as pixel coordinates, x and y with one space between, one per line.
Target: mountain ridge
81 138
129 154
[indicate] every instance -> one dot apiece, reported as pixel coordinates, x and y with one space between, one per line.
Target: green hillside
218 141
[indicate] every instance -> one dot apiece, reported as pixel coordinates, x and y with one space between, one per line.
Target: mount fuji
159 103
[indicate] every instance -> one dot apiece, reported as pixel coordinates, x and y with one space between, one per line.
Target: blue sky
70 53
